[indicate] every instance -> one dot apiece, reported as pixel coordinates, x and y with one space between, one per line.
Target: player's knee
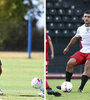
70 64
87 65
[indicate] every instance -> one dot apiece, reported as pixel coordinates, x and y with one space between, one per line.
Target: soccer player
1 93
48 88
49 44
82 56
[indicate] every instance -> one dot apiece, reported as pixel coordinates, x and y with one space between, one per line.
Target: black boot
53 92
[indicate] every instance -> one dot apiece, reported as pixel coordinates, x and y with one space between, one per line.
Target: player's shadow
28 95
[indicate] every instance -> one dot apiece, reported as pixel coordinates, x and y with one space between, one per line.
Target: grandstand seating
63 16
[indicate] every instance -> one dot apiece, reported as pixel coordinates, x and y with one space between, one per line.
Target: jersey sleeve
77 33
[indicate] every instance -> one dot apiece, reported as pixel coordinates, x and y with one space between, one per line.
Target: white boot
41 95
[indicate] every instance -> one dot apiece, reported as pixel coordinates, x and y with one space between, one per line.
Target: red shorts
81 57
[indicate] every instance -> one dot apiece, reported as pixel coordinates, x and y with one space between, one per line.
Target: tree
11 17
13 27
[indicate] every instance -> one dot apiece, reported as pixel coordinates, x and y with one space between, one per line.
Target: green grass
15 80
74 95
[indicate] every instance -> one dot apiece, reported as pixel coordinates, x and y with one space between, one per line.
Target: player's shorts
81 57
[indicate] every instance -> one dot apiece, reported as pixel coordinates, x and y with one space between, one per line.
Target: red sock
47 85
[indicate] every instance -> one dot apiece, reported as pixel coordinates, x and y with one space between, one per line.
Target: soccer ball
36 83
66 86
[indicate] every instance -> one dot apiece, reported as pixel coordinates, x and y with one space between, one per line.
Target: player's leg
69 68
85 76
76 59
49 90
47 85
1 93
42 94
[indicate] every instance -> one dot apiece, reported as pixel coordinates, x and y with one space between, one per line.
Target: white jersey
84 33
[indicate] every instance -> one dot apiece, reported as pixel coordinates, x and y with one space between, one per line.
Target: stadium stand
63 13
63 17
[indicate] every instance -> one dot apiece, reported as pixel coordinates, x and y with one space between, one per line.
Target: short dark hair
87 12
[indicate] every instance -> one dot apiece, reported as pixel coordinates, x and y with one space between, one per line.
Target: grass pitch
18 71
74 95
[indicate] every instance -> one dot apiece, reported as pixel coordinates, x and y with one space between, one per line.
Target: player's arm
51 47
72 42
